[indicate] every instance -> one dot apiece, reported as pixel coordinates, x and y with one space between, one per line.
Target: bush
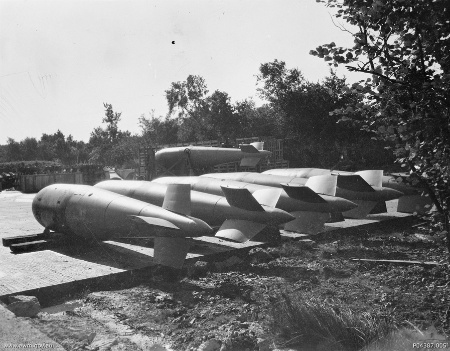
315 325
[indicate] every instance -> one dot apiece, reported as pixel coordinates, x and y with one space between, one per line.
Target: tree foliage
187 97
316 137
255 121
222 121
51 147
404 48
306 105
13 151
158 130
111 120
107 144
200 116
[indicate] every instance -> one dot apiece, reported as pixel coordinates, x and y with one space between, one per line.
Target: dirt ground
229 305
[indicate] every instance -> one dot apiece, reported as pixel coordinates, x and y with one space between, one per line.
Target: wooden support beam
397 262
22 239
28 246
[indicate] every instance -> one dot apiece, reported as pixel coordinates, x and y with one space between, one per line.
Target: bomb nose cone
280 216
343 205
197 227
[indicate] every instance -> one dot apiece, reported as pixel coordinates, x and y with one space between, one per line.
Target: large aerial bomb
310 209
178 160
94 213
410 199
240 214
374 178
350 187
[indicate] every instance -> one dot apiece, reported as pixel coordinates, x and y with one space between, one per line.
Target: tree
124 153
46 149
255 121
77 151
3 153
53 147
158 131
281 87
404 48
187 100
187 97
103 141
306 105
220 118
111 119
29 149
316 139
201 116
13 152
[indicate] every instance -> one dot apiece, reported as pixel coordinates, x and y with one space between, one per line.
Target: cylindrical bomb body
89 212
204 156
201 206
211 208
257 178
301 172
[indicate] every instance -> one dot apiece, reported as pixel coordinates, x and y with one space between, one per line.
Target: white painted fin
249 148
178 199
354 182
259 145
303 193
323 184
110 173
241 198
239 230
267 197
373 177
153 221
307 222
171 251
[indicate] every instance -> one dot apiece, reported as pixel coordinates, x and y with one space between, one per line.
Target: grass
315 325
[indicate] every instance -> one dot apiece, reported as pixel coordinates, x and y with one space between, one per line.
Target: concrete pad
370 219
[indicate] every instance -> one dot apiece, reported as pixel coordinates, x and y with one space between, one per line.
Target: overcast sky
60 60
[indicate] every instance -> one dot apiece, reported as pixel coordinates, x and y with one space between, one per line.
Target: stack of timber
26 243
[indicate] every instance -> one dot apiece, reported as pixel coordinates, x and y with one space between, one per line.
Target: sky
61 60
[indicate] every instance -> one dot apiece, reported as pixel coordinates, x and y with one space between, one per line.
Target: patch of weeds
312 323
328 251
329 271
260 255
411 336
304 249
197 270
